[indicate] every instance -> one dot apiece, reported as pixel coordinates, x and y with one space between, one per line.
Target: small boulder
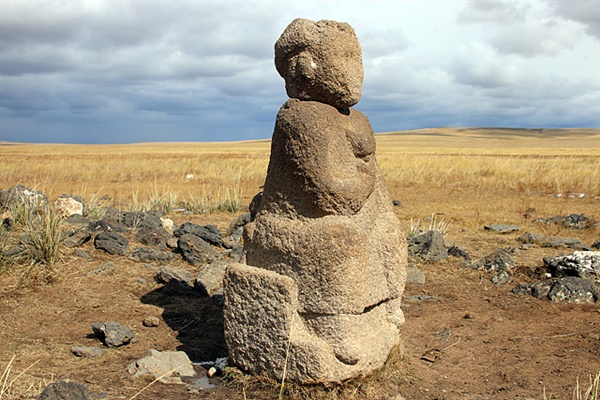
532 238
67 206
501 228
152 235
195 250
112 333
112 243
583 264
499 260
429 246
538 290
176 280
167 366
210 278
573 289
151 321
565 242
208 233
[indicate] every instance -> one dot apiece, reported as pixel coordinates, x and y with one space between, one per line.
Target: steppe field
487 342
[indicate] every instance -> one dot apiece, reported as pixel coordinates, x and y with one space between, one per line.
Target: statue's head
320 61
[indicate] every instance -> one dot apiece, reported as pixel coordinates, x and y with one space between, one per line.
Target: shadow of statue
198 321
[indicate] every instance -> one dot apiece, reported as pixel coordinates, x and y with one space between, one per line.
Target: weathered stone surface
147 254
501 228
320 61
112 333
195 250
499 260
158 364
321 347
62 390
151 321
112 243
325 253
538 289
210 278
429 246
573 290
581 263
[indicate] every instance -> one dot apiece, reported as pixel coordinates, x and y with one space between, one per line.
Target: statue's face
326 64
326 76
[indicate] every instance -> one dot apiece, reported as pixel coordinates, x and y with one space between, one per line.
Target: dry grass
204 175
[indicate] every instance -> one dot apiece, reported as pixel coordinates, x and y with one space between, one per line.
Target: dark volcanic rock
565 242
573 290
112 333
208 233
152 235
77 237
112 243
195 250
429 246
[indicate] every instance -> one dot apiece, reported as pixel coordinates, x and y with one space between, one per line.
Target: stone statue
325 255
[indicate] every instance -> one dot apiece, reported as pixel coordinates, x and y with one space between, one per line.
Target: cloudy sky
133 71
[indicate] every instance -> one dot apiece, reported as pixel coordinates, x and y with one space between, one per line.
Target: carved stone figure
325 255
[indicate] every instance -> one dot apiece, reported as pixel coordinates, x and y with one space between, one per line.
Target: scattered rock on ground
67 206
583 264
77 237
102 269
158 364
195 250
538 290
152 235
501 278
208 233
573 289
499 260
87 351
112 333
565 242
147 254
532 238
596 245
210 278
82 254
176 280
112 243
501 228
151 321
457 252
62 390
429 246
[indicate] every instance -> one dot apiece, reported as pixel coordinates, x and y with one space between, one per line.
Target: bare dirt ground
479 341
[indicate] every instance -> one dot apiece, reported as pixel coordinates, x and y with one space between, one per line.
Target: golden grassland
508 160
